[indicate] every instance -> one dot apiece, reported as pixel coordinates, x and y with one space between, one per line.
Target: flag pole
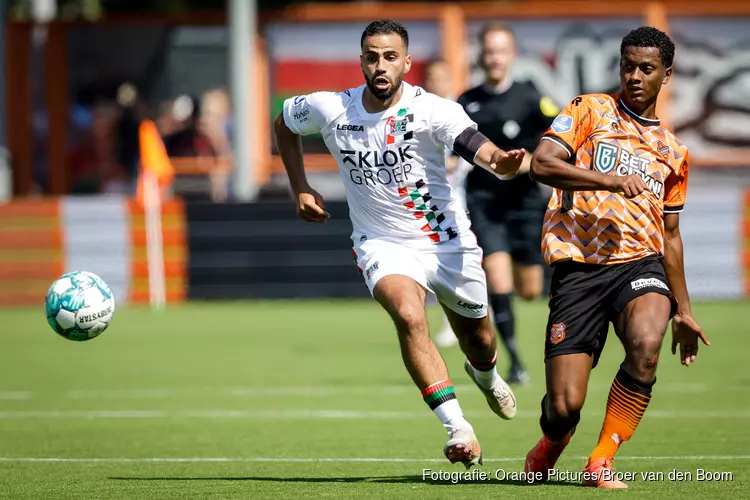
154 243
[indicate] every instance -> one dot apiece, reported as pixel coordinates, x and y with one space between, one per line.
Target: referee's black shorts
585 298
513 230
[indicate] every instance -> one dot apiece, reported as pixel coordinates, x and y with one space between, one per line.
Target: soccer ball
79 305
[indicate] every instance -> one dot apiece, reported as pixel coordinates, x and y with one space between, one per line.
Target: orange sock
628 400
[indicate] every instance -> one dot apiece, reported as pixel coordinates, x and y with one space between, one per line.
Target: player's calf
403 299
480 347
557 432
627 402
561 412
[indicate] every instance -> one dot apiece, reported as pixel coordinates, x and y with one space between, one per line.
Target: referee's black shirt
513 119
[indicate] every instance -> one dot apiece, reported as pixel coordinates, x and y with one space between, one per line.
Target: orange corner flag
153 153
154 158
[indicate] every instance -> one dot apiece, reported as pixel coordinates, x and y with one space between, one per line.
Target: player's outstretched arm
310 206
685 330
504 164
550 166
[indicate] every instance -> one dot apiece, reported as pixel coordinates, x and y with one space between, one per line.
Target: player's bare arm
526 164
685 330
549 165
310 205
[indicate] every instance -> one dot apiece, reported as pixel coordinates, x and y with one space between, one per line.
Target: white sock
451 416
486 378
447 410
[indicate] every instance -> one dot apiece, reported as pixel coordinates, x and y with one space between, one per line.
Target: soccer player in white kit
411 241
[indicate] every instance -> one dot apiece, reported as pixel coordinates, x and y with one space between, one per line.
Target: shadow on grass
375 479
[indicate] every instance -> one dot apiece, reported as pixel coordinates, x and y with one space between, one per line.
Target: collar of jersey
406 96
643 121
501 91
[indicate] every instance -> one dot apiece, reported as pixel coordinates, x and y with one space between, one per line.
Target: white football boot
500 397
463 447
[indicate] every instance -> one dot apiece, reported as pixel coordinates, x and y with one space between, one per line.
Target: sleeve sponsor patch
562 124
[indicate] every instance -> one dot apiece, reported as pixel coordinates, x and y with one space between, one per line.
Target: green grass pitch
302 399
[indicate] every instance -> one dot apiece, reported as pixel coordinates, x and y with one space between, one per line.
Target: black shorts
516 231
585 298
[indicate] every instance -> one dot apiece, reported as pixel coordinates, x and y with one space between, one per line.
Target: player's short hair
495 27
385 27
648 36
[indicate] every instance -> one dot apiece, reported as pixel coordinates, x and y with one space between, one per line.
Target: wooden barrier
31 251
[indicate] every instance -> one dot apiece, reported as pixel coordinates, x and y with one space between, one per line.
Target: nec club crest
398 126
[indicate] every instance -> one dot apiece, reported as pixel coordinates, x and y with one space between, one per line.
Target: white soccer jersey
392 163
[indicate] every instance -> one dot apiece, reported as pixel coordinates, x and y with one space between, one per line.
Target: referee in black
507 216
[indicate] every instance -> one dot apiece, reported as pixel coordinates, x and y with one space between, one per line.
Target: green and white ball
79 305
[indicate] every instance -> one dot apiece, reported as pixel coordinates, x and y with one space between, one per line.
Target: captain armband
467 144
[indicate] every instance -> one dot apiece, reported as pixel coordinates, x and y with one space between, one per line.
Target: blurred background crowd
81 76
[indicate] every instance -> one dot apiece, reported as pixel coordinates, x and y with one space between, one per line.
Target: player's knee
643 353
529 292
646 344
409 319
565 407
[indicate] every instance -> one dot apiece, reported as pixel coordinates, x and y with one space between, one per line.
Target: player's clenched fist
310 206
629 185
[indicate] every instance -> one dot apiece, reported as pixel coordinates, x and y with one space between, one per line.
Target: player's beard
383 94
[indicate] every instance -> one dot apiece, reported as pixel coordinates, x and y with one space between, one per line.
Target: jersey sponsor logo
301 116
648 283
605 157
609 158
378 167
557 333
562 124
349 126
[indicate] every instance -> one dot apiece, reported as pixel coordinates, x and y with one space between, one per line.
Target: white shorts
451 272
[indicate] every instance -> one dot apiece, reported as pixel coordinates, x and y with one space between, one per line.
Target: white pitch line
313 414
154 393
341 459
16 395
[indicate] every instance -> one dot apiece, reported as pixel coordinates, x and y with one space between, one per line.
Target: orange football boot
544 455
599 474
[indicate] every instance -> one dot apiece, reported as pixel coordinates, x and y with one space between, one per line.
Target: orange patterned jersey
599 227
